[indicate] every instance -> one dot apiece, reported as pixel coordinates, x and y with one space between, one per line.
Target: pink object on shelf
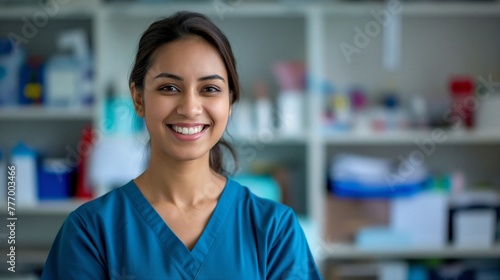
290 75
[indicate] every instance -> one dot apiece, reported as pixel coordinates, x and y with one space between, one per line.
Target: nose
190 105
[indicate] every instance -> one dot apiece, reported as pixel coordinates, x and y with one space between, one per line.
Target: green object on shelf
440 183
261 185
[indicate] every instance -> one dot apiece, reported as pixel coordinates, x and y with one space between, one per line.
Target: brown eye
169 88
211 89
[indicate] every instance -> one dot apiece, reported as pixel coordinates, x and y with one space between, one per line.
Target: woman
182 218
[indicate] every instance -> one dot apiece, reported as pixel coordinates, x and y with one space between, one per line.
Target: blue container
55 180
357 189
10 63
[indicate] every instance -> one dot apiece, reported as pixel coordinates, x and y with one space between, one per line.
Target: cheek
156 108
220 111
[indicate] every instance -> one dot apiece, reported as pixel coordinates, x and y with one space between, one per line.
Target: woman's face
186 99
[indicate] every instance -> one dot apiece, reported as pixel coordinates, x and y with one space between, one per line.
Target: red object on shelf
463 102
83 187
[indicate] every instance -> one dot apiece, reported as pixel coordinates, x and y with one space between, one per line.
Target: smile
192 130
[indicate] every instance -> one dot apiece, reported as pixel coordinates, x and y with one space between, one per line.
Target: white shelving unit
411 137
48 207
263 32
70 11
44 113
349 252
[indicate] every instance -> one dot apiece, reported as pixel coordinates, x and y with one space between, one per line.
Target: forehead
192 55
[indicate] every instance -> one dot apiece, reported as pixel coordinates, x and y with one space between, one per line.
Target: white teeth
186 130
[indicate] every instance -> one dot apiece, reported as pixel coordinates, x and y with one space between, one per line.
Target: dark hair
181 25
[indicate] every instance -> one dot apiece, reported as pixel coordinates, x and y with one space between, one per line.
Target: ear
138 99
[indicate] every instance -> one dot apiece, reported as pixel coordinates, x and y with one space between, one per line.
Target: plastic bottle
24 159
263 107
462 107
68 78
291 108
31 81
341 105
10 63
418 106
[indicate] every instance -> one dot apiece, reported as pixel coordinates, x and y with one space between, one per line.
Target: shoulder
269 212
107 205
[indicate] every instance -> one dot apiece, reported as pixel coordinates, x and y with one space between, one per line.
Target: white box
474 228
423 217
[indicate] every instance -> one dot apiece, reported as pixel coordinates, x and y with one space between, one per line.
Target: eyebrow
175 77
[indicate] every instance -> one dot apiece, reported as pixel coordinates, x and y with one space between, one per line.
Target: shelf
255 9
44 113
491 8
259 9
271 140
212 8
350 252
32 258
114 26
69 12
452 9
49 207
412 137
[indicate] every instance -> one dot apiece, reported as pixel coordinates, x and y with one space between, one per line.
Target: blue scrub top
121 236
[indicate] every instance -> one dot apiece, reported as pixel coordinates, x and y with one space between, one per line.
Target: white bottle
263 111
241 123
291 112
24 159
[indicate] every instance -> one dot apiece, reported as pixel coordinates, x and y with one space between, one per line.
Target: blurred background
377 122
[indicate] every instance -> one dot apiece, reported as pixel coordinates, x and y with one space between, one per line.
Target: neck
182 183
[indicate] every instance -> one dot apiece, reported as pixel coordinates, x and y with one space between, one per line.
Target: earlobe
138 100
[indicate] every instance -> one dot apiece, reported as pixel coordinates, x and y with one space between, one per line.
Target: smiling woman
185 89
183 218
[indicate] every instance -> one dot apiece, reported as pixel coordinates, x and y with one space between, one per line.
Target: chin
188 156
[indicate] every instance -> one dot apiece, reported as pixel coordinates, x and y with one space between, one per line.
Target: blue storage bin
55 180
356 176
356 189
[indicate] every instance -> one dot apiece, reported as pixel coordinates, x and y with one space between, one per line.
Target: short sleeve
290 257
73 254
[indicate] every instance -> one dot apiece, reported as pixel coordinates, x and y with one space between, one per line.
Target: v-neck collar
189 261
